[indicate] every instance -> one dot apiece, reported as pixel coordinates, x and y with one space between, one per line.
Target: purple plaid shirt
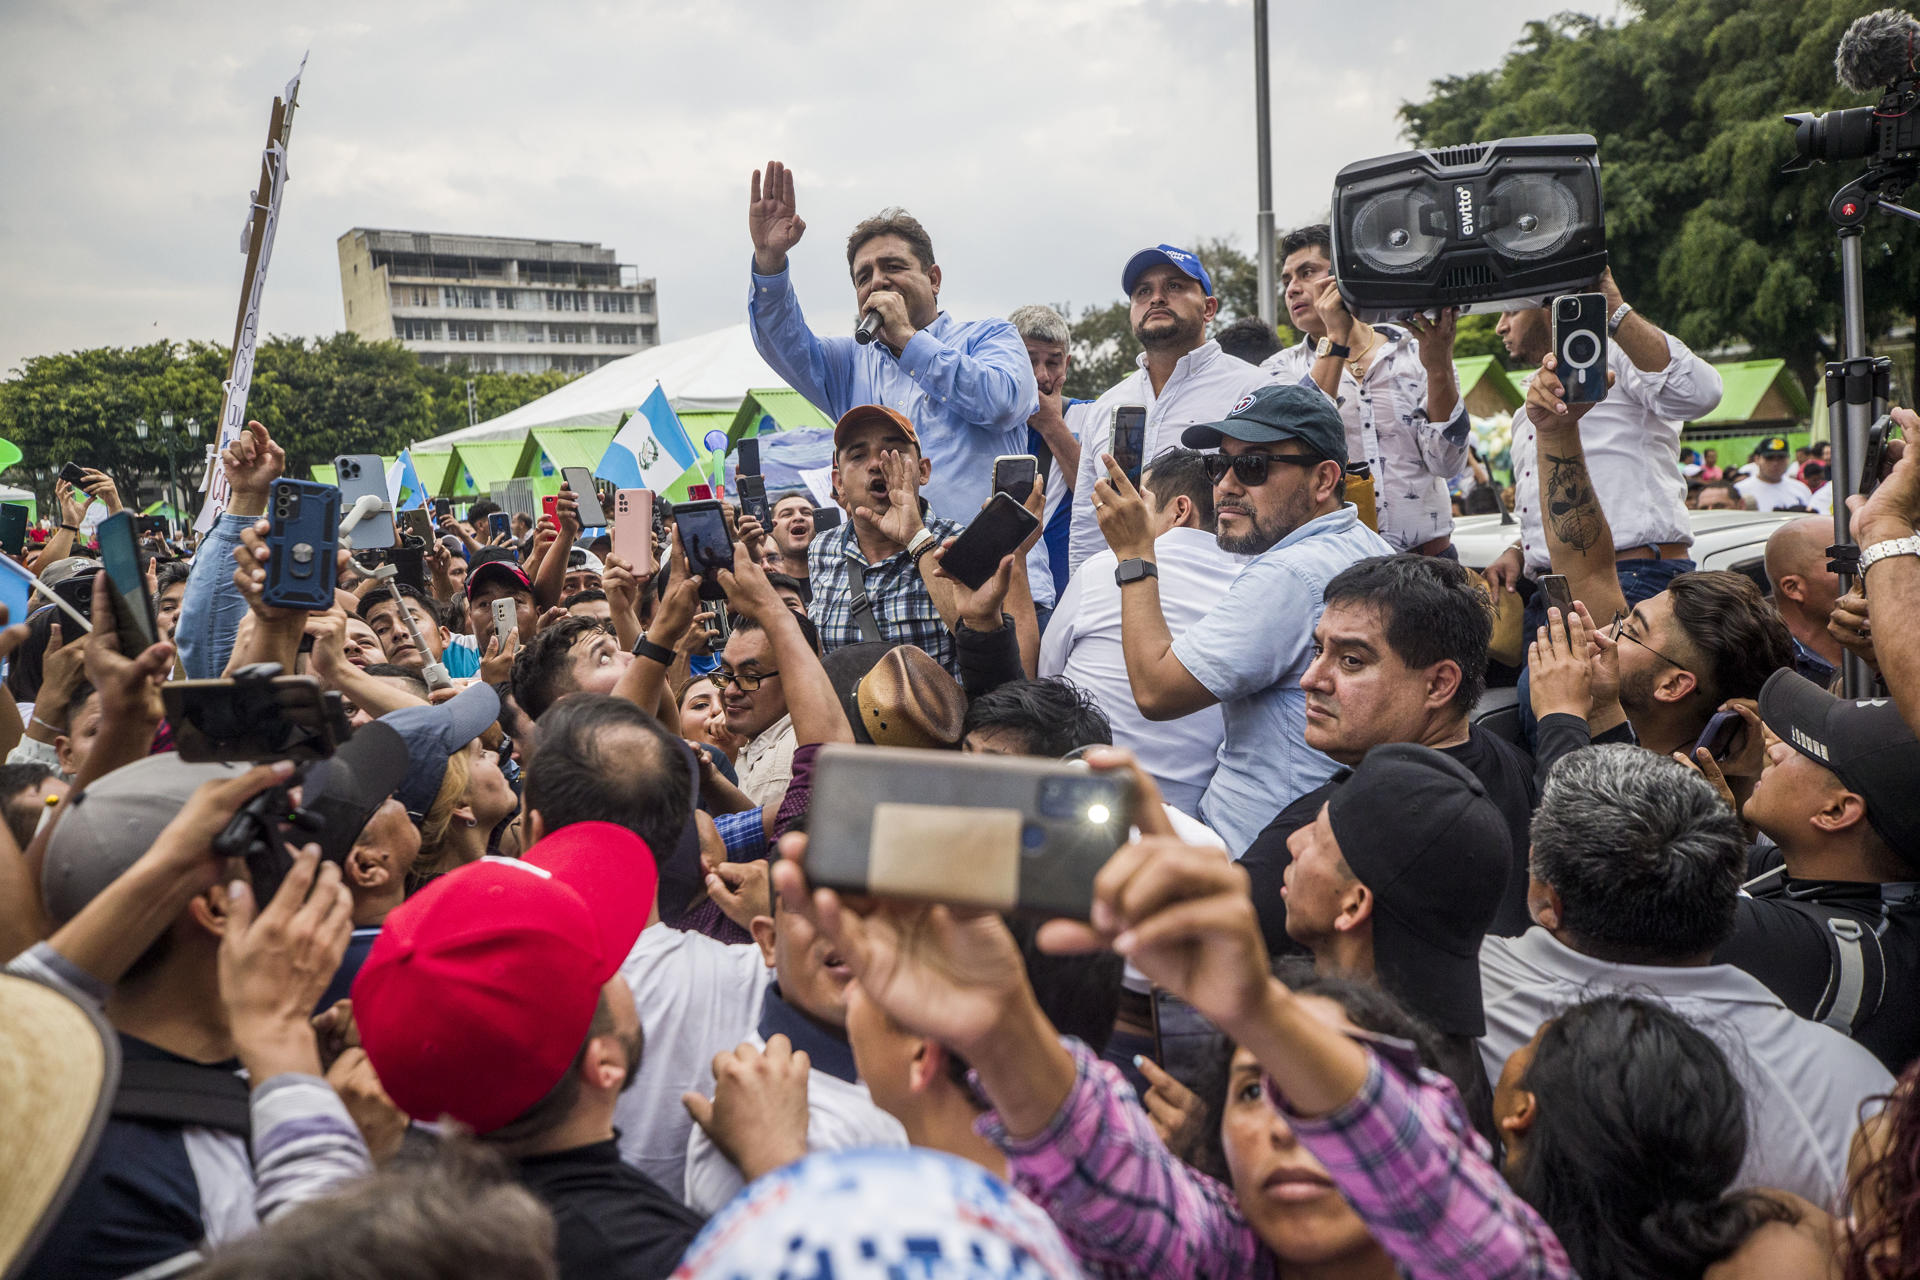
1401 1153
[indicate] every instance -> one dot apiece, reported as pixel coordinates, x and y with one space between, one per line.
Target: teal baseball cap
1280 411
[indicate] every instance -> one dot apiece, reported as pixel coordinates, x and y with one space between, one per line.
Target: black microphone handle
868 328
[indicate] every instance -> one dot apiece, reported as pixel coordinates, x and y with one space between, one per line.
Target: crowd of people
1375 988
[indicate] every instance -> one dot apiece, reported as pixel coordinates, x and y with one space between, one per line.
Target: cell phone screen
13 528
1129 441
499 525
1014 475
703 533
995 533
132 607
1559 596
586 496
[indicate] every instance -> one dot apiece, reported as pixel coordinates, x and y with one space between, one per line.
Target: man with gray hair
1636 869
1053 436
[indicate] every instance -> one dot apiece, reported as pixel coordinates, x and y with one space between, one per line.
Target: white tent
709 373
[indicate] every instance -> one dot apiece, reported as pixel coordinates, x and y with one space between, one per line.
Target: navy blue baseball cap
432 734
1165 255
1278 411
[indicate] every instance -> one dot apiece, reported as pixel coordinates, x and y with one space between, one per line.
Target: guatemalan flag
404 489
651 451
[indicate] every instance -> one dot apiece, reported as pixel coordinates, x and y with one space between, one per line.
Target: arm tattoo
1571 504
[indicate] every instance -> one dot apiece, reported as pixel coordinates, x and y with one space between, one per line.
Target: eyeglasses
1620 632
1252 469
747 681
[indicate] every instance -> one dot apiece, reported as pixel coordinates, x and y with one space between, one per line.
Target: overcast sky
1040 141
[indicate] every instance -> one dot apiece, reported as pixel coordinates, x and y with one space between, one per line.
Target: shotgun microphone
868 328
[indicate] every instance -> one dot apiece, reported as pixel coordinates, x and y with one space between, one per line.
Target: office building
495 303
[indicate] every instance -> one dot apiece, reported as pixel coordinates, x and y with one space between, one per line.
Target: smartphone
633 523
995 534
703 533
1580 346
132 606
825 518
418 524
13 528
1559 596
1014 474
244 720
1719 735
586 495
74 474
303 533
748 453
1185 1043
442 508
410 566
1003 833
1128 444
1875 456
506 618
499 525
753 499
357 475
550 507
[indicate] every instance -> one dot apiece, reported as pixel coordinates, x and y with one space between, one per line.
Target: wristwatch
921 543
1328 347
645 648
1620 313
1135 570
1870 556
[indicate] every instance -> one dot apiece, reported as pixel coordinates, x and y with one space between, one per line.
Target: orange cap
864 414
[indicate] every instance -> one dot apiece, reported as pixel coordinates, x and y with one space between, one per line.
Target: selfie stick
435 673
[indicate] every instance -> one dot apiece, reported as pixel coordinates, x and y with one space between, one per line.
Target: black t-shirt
1503 769
1780 936
613 1222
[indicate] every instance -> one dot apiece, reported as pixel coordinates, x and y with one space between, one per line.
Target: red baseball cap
479 992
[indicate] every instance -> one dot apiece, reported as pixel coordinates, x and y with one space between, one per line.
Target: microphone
1877 50
869 327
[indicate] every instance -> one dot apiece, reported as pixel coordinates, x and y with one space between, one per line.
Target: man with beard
1279 492
1184 377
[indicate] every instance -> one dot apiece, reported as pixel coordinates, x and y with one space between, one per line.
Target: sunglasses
1252 469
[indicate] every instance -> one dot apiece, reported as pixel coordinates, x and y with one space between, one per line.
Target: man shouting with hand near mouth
966 387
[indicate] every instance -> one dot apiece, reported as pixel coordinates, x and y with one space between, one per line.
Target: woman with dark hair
1884 1189
1625 1127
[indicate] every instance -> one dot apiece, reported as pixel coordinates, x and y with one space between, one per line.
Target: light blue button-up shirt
966 385
1250 653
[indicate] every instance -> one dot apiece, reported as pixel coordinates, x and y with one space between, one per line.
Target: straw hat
897 695
59 1066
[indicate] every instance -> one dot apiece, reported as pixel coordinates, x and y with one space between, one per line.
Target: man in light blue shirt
1279 493
967 386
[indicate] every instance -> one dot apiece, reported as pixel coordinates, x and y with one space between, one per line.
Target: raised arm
819 369
1163 688
211 609
1893 584
1579 539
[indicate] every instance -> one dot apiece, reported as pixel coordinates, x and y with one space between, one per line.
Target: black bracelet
71 528
645 648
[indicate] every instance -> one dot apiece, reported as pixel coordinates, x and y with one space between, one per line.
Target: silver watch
1870 556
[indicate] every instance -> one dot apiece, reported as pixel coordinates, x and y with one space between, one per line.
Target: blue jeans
1639 580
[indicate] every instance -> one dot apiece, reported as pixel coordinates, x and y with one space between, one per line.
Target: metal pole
1850 442
1263 128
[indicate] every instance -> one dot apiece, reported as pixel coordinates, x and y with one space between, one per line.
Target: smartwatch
1328 347
645 648
1134 570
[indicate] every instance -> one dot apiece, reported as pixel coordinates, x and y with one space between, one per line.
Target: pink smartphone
633 529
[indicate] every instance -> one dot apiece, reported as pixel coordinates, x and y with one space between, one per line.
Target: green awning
789 410
1486 386
323 473
549 449
477 466
1760 392
432 465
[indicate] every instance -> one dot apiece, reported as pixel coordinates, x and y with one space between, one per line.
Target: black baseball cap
1864 743
1282 411
1772 447
1418 830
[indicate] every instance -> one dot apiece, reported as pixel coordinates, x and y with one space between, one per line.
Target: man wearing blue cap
1184 377
1279 495
967 386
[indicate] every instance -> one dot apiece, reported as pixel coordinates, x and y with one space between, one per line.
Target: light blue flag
651 451
404 489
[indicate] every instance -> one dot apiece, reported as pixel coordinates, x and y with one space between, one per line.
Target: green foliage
1705 233
318 397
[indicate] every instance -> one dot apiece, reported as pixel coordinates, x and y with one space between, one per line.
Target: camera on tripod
1887 133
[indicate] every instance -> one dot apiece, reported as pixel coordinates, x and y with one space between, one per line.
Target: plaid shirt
1401 1153
902 609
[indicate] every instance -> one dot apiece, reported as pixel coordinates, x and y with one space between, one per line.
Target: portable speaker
1490 226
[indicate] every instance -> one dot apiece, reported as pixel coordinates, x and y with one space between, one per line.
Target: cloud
1039 142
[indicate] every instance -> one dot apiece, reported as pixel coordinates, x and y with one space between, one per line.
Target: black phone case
1580 346
753 499
994 534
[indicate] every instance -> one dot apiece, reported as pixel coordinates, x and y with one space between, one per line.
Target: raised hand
1125 520
901 520
252 463
1560 673
1545 405
771 218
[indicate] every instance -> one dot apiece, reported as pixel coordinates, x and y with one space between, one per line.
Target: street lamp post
141 429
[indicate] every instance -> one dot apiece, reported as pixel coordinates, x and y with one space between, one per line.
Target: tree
1704 232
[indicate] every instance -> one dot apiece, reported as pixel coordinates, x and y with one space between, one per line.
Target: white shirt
1784 492
840 1117
1083 644
1411 456
697 997
1632 443
1804 1081
1823 498
765 766
1205 383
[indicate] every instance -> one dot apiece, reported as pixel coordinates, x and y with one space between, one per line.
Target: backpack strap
1856 974
184 1093
862 611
